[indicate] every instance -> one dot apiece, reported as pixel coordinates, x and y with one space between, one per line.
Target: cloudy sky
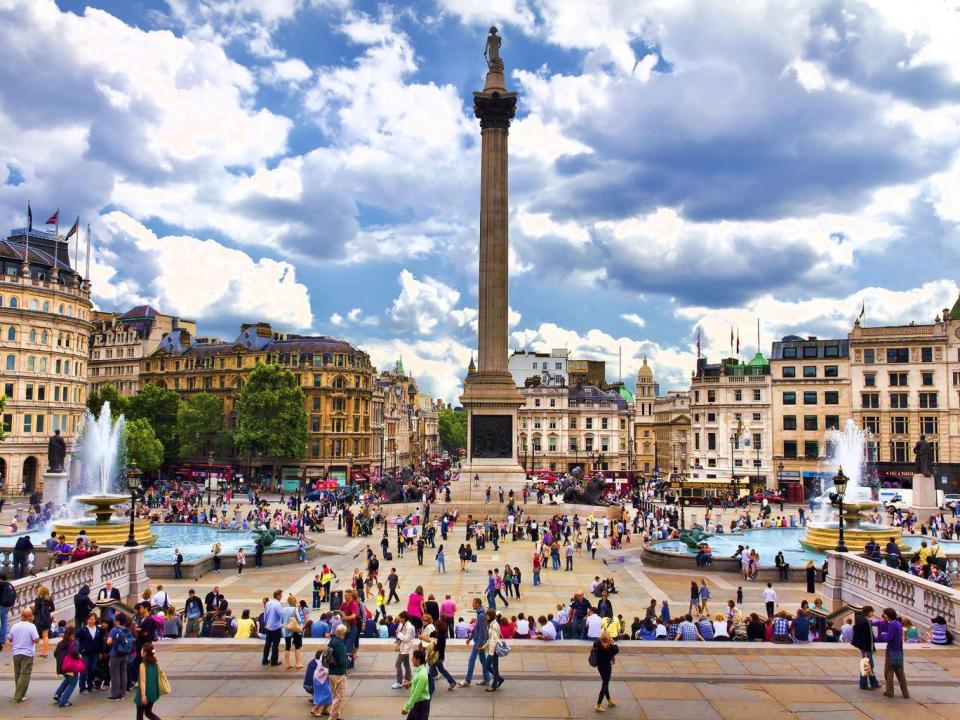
676 166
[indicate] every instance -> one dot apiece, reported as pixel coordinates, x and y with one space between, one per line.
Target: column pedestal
924 496
55 488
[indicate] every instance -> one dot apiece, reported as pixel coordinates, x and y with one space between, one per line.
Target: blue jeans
493 663
67 686
439 668
872 677
579 628
441 564
492 600
89 675
472 661
4 615
536 578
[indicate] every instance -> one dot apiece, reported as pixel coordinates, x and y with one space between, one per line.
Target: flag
738 342
731 338
54 219
29 217
73 230
863 310
698 344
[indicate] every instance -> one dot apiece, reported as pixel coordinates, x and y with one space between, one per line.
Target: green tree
452 427
107 393
160 408
200 426
143 447
271 419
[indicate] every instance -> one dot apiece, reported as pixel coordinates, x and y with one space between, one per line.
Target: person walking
417 706
322 694
92 645
43 609
441 560
8 598
694 597
406 635
811 577
177 564
217 551
272 629
602 656
121 643
69 664
440 650
493 660
770 600
479 641
863 641
893 658
241 561
704 596
147 691
23 638
339 662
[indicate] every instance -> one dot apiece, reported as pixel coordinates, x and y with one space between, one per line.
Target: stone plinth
55 487
924 496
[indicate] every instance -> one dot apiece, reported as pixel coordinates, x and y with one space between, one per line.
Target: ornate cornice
495 110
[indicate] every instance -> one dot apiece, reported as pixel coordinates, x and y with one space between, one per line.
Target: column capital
495 109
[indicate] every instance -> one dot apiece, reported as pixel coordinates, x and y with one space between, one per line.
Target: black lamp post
134 477
780 479
840 484
209 474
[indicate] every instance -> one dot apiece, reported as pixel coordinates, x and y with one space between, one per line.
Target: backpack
326 657
593 656
123 642
8 596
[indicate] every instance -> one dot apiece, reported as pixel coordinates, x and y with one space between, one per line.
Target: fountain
824 527
100 449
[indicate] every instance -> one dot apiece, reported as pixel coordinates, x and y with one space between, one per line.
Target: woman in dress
241 561
148 688
694 597
322 694
43 618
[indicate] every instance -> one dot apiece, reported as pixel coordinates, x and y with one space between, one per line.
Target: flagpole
87 274
26 249
76 247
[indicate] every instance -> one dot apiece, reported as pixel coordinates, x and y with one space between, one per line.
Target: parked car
950 501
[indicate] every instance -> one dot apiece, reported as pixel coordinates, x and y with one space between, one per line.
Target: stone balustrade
123 566
855 580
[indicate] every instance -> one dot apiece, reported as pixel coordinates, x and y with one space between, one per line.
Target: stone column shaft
494 257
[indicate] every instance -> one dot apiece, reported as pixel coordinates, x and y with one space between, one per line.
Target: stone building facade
336 377
45 326
671 431
644 445
119 341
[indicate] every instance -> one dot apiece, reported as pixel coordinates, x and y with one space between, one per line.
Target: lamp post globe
840 485
134 478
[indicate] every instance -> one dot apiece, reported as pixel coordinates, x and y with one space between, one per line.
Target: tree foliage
271 419
452 427
143 447
107 393
200 426
160 408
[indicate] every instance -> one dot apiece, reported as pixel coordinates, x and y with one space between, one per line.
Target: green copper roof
758 361
626 394
955 312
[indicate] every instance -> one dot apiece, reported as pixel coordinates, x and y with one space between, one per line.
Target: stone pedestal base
924 496
55 488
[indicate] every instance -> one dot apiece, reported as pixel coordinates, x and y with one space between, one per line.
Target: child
322 695
739 594
911 632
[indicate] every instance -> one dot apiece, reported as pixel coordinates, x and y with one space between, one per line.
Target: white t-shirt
22 637
523 627
720 628
769 595
160 598
661 630
594 626
549 631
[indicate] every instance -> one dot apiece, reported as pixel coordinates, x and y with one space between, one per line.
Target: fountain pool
769 541
194 541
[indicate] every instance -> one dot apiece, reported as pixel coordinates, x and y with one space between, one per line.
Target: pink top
448 608
413 605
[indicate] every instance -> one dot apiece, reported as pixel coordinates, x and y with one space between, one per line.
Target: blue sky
676 167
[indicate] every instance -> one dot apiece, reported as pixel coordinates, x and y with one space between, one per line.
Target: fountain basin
825 537
102 527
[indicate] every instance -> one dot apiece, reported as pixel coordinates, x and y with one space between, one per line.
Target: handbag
293 624
73 664
502 648
163 682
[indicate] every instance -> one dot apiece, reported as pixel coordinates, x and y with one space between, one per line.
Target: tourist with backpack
121 643
338 670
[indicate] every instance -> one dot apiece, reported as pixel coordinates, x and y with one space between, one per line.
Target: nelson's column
490 397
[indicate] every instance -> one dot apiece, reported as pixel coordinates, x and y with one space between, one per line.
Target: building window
831 371
711 441
536 402
926 354
789 398
870 400
809 371
869 356
552 443
831 351
573 423
757 442
810 397
28 391
756 396
899 425
832 422
711 396
898 379
28 423
811 449
809 422
315 423
696 441
789 371
790 449
589 423
8 390
871 423
573 445
711 417
926 378
737 395
810 351
40 423
899 400
553 402
831 397
929 425
536 423
588 444
870 379
789 352
11 363
898 355
898 450
603 423
928 400
789 422
315 448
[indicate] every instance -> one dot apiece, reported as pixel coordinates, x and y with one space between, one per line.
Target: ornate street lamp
134 478
840 485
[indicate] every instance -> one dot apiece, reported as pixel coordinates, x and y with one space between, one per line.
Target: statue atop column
923 457
56 452
492 52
